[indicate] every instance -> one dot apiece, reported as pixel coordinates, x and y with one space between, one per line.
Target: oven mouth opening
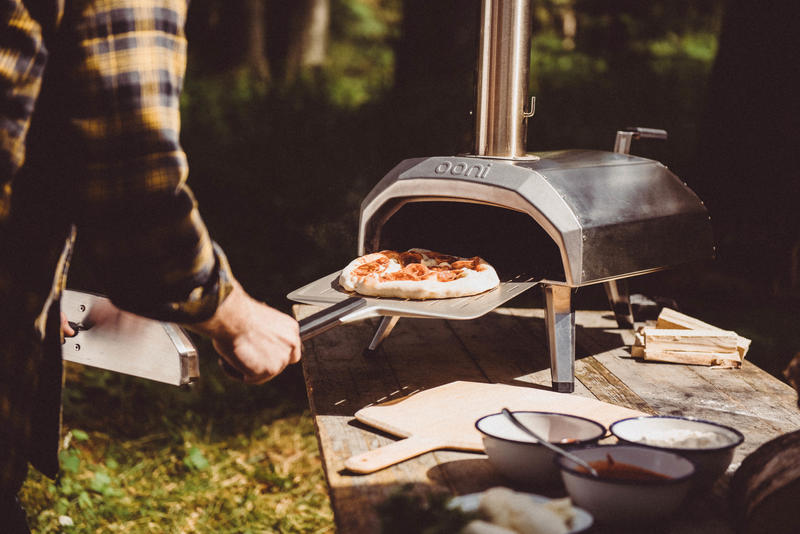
513 242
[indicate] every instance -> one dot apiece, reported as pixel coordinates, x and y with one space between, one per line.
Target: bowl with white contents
708 445
521 458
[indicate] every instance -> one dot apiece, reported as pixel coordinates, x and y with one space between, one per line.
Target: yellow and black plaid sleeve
138 220
22 60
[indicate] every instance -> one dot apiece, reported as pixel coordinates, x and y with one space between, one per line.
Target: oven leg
620 302
560 321
383 331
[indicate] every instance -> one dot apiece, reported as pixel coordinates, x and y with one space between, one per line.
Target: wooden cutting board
444 418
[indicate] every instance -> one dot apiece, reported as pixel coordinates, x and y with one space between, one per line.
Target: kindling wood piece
671 319
697 347
679 338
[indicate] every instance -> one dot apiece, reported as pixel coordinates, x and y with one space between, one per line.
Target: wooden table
508 346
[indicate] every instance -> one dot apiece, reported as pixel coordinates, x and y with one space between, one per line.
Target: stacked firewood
679 338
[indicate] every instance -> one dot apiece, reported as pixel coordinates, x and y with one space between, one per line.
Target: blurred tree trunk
298 36
439 41
255 30
569 24
308 45
748 153
435 60
228 35
272 39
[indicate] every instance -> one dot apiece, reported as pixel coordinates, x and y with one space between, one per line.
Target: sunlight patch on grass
269 481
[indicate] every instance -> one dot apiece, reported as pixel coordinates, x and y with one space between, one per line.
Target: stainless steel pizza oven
562 220
607 215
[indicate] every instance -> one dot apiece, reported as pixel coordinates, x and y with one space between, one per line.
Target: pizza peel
346 307
444 418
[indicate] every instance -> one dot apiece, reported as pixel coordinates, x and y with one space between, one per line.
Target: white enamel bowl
711 458
628 501
519 457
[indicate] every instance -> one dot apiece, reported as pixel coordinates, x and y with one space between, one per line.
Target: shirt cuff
204 300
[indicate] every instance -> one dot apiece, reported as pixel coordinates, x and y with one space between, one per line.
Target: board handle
391 454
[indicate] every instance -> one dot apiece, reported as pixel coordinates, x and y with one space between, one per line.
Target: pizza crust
418 274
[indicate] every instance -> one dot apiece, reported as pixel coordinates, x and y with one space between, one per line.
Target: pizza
417 274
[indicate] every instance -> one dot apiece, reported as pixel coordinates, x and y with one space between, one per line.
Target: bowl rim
559 460
579 442
681 450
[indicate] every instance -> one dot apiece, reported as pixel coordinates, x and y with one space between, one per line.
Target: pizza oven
561 219
565 220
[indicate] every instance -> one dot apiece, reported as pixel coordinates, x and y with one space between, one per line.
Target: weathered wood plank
608 387
520 351
509 346
425 353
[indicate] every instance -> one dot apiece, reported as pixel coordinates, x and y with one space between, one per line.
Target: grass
143 457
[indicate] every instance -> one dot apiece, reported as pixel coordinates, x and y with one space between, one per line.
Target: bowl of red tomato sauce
634 485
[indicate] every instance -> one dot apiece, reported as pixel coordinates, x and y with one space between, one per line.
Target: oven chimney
503 67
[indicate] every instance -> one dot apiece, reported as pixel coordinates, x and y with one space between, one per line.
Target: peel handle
395 452
326 319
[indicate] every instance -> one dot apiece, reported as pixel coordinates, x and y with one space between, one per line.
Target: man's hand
252 338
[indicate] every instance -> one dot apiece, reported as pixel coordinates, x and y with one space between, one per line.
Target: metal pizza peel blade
346 307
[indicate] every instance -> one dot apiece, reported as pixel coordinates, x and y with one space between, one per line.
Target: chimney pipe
503 67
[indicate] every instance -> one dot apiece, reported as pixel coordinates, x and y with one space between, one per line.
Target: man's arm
255 340
138 220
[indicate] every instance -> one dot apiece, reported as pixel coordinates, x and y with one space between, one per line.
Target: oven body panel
611 215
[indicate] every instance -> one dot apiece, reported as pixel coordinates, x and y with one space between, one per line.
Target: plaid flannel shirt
89 146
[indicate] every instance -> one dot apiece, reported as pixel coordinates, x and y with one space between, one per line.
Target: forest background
292 111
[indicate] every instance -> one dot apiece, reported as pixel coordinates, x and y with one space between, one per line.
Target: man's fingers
230 370
65 327
297 353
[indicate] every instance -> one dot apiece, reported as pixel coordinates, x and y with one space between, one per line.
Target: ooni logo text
461 168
